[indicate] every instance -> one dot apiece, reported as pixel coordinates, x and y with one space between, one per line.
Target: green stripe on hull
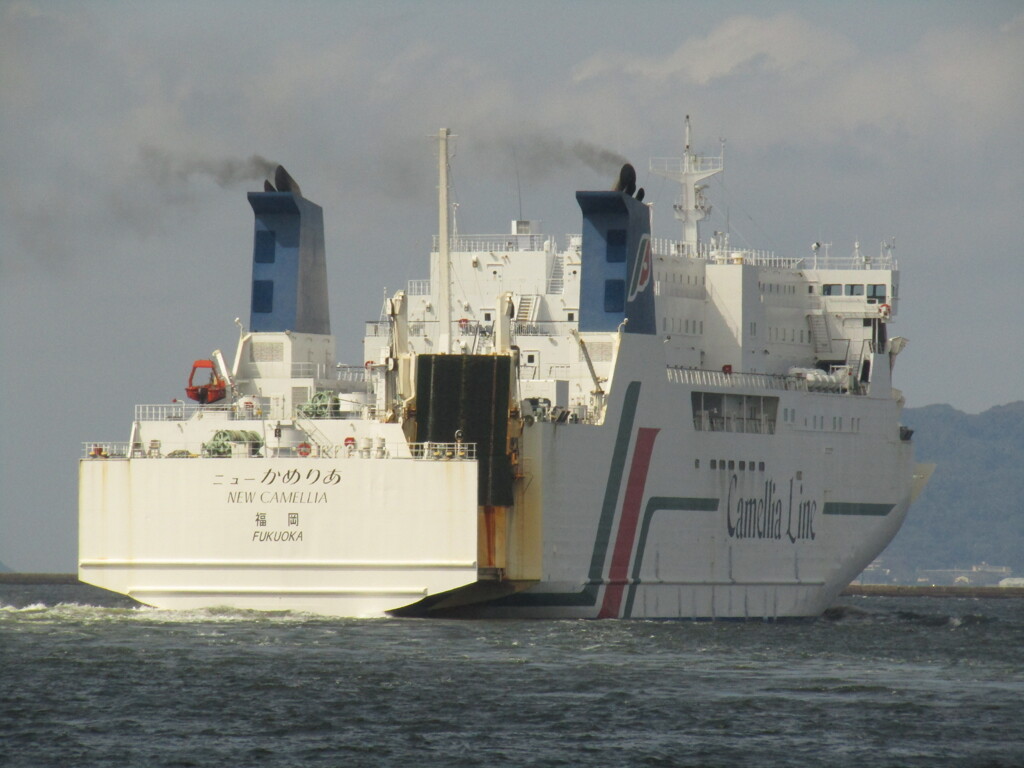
858 509
659 504
611 492
588 595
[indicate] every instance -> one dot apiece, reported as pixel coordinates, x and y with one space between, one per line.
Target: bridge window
854 290
720 412
832 289
876 292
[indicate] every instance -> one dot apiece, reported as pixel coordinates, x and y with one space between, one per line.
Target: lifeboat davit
210 392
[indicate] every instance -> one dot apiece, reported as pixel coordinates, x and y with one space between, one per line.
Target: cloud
784 44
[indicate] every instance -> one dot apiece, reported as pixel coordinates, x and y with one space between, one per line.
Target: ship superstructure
603 425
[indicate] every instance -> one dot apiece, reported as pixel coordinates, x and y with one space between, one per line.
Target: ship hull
644 516
354 537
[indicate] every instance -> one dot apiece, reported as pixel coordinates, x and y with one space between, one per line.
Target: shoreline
39 578
853 590
901 590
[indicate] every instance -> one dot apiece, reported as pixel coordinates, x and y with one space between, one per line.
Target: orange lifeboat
210 392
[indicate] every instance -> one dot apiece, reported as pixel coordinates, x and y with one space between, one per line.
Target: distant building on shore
982 575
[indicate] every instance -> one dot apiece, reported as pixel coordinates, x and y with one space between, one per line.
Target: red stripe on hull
626 535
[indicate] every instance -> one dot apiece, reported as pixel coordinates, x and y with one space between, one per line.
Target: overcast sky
128 133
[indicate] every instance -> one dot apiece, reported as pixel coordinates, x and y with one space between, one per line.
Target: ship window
877 291
487 317
263 296
854 290
743 466
732 464
696 464
721 463
760 466
572 316
614 295
264 246
714 464
832 289
616 245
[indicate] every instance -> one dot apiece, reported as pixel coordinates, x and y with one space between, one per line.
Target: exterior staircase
555 279
323 443
527 311
819 332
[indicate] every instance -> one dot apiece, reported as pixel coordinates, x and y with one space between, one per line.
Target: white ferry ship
610 426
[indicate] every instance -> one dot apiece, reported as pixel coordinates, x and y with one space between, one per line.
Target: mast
443 282
688 171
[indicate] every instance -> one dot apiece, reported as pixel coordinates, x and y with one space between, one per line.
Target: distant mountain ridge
972 510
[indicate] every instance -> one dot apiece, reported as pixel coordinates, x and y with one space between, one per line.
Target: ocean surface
87 679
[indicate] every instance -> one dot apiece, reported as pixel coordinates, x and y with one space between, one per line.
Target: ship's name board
265 520
277 497
769 515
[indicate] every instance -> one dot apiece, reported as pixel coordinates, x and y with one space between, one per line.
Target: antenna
519 193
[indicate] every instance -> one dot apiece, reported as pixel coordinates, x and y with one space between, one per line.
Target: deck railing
156 449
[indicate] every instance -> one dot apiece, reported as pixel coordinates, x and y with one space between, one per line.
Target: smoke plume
168 168
538 156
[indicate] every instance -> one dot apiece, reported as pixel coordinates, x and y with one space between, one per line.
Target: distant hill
972 510
4 568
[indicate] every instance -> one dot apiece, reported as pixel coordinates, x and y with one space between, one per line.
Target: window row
875 291
681 325
720 412
742 466
777 288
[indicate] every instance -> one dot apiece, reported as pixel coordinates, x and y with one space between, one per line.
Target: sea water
88 679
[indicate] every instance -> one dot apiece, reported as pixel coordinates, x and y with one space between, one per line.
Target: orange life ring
369 364
463 323
304 449
885 310
350 442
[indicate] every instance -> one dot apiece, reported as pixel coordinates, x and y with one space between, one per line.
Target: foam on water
882 681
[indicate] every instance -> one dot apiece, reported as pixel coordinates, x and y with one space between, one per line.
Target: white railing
443 451
305 370
882 261
707 252
674 166
767 381
106 450
418 288
495 243
156 449
677 249
181 411
351 373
